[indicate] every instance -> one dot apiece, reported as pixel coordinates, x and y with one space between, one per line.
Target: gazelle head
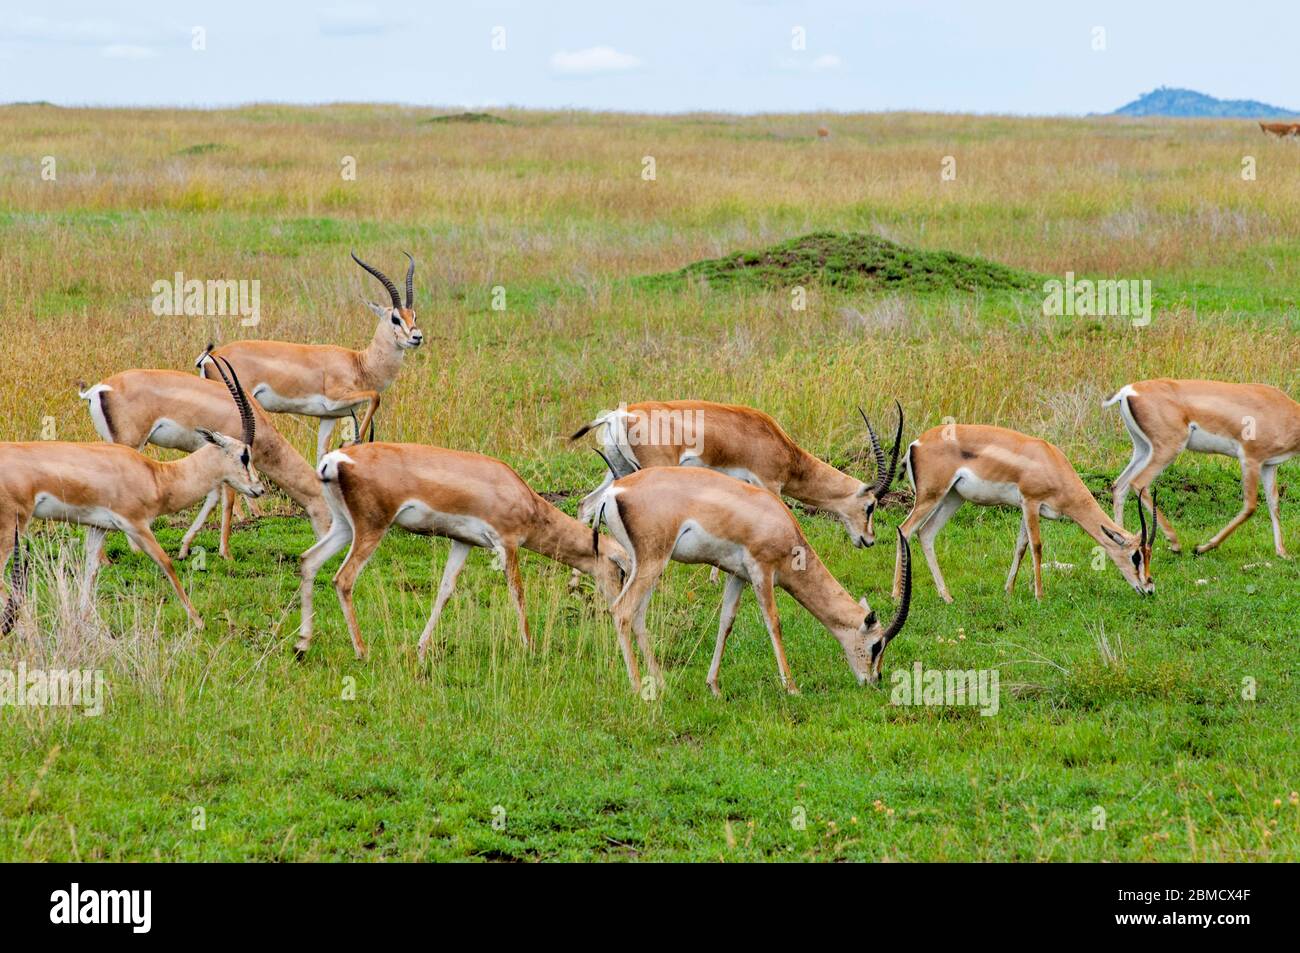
1132 554
237 468
400 317
865 646
611 567
858 511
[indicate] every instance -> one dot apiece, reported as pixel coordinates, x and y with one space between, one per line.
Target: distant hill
1189 103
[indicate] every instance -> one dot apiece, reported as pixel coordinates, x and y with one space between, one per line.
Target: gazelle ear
1114 537
864 490
863 602
379 309
211 437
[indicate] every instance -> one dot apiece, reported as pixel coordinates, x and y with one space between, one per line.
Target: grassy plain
1110 702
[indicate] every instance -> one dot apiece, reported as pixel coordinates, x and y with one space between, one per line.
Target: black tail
582 432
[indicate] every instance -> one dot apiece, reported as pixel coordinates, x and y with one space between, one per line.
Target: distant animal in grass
1281 129
823 132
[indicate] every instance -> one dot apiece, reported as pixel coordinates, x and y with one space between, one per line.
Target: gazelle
702 516
471 499
322 380
744 443
107 486
171 409
1257 424
992 466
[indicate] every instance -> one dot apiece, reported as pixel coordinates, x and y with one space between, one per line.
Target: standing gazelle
744 443
701 516
471 499
171 409
105 486
323 380
1257 424
992 466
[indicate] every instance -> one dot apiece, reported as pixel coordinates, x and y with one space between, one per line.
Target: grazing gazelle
471 499
992 466
171 409
107 486
323 380
1257 424
743 443
701 516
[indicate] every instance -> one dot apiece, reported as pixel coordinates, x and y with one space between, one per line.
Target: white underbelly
168 433
743 474
50 507
309 405
418 517
1203 441
694 545
986 492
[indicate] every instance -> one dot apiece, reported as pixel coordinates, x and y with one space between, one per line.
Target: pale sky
1017 56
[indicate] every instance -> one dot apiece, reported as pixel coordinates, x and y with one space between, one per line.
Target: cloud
125 51
596 59
357 19
822 64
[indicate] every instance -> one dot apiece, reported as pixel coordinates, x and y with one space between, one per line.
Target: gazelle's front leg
323 431
450 572
730 601
371 397
1030 510
338 536
1268 476
142 536
1250 472
208 503
515 583
1022 543
90 572
766 593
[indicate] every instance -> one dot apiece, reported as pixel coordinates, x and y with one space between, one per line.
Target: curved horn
876 449
392 288
410 281
241 400
1142 519
885 478
1155 522
900 616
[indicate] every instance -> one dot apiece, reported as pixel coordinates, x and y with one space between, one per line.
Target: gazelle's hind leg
645 575
339 535
1155 465
450 572
364 542
927 501
1166 527
731 594
1250 473
1142 451
926 528
1268 476
643 636
766 593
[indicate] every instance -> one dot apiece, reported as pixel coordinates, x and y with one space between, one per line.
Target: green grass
284 766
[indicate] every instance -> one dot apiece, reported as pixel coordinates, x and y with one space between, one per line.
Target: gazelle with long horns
171 409
473 500
991 466
323 380
1257 424
702 516
105 486
744 443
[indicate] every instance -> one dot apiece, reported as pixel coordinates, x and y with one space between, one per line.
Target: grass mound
468 117
851 262
202 149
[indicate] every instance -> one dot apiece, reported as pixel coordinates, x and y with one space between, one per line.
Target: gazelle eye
397 320
243 458
1137 559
